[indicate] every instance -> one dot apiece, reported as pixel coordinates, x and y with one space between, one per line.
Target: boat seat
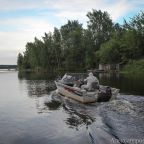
94 86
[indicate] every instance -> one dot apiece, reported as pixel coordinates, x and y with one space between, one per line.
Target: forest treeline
8 66
72 47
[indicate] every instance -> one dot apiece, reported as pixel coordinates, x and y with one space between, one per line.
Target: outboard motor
105 96
108 91
94 86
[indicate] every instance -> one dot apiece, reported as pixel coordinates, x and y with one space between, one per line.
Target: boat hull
75 93
84 96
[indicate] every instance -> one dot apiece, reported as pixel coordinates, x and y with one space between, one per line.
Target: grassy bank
134 67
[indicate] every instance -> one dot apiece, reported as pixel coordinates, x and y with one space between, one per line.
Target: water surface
32 113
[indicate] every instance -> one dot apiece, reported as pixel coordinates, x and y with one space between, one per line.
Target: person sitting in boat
78 83
91 80
66 78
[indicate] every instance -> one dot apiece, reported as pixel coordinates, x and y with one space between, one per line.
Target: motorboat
67 88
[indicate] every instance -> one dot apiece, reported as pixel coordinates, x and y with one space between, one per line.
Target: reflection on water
77 116
46 100
53 105
38 76
128 84
116 117
32 113
38 88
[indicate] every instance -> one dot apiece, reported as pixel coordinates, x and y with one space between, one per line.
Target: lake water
32 113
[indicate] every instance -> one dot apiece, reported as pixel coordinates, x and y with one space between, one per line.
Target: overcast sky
22 20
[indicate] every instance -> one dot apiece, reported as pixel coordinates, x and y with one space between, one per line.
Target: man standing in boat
91 79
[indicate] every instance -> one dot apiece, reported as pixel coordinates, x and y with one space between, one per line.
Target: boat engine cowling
105 96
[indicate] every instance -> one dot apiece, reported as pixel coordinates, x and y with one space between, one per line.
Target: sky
22 20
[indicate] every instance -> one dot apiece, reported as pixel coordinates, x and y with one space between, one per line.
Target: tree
20 61
100 25
110 52
48 48
72 47
72 44
57 46
89 52
136 28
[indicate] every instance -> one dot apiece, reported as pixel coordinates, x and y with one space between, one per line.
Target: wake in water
124 118
116 121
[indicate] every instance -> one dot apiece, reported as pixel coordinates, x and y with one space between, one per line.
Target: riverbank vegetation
8 66
72 47
134 67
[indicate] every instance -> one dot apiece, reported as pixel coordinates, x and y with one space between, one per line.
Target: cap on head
90 74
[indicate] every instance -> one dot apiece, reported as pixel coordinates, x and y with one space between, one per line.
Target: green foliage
126 42
72 47
130 41
20 61
134 67
100 28
109 52
100 25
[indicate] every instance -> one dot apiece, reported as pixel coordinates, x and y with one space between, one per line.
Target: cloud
8 60
16 30
66 15
78 9
8 57
19 4
72 9
118 9
75 5
13 42
25 30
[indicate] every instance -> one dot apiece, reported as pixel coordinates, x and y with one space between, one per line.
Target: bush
134 67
